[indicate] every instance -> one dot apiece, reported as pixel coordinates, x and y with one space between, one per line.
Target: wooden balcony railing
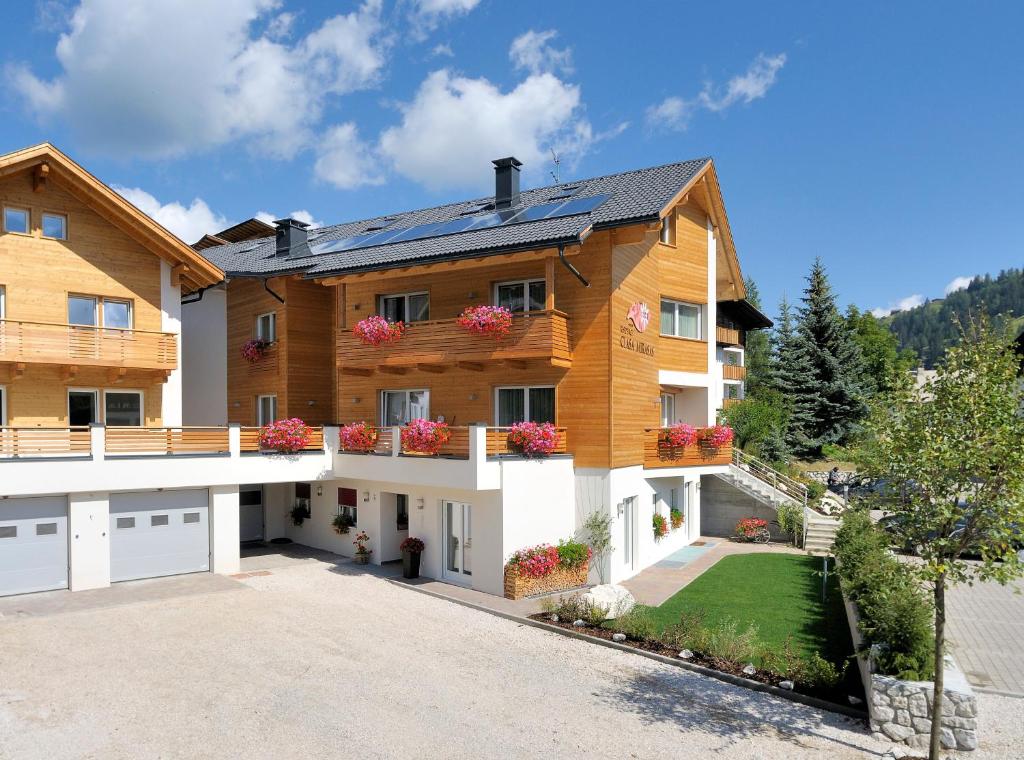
734 372
459 443
657 455
443 343
728 335
250 439
167 440
727 402
44 442
52 343
497 442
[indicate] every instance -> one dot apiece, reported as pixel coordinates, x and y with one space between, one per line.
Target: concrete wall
724 505
204 363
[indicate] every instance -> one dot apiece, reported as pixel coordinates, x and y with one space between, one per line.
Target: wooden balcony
440 344
728 336
726 403
44 442
458 445
734 372
79 345
657 456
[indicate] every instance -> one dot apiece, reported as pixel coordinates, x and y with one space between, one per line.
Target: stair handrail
770 476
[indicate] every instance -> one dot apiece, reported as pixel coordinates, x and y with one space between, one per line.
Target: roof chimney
291 238
506 182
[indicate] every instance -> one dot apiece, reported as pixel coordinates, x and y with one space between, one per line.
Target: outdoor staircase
819 533
763 482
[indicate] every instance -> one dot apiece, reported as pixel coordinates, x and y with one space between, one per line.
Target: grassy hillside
930 328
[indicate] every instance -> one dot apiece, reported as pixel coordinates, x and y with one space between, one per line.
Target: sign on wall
638 317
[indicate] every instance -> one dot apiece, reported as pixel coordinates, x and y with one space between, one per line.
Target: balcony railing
167 440
657 455
44 442
728 336
727 402
459 443
53 343
497 442
443 343
734 372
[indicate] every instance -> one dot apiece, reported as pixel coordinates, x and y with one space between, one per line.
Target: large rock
611 597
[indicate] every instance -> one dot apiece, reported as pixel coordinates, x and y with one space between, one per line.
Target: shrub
534 561
425 436
791 520
676 518
412 545
492 321
895 614
532 438
729 643
377 331
342 523
575 607
660 525
573 553
359 436
638 624
285 436
254 350
815 490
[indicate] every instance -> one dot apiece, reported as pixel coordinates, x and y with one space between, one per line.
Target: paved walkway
660 581
986 628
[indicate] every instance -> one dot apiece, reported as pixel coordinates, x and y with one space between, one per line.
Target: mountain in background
930 328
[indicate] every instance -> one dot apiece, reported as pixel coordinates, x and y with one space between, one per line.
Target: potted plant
533 439
716 436
359 436
678 436
255 349
285 436
491 321
411 548
422 436
342 523
377 331
362 556
677 518
660 525
298 513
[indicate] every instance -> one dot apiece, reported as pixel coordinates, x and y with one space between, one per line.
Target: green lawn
779 593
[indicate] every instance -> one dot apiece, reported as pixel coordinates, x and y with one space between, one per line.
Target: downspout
266 286
565 262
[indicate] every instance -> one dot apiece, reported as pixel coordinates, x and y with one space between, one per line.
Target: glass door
458 542
668 409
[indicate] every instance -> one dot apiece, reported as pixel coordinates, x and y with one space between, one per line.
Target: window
55 226
526 295
16 220
46 529
117 314
733 391
92 311
122 408
266 327
399 407
347 504
303 496
668 409
83 407
157 521
8 531
514 405
266 410
190 517
680 319
405 307
82 310
402 509
668 230
125 522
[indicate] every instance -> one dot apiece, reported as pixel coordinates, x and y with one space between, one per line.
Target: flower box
491 321
254 350
518 586
424 436
533 439
285 436
357 437
377 331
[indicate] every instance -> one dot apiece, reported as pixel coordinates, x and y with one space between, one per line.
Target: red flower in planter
533 439
285 436
535 561
492 321
678 436
358 436
412 545
716 436
425 436
749 526
377 331
254 350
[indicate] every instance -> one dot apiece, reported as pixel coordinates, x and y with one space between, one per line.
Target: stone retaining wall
901 711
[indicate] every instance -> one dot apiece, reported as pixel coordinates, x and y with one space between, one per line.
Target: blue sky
886 138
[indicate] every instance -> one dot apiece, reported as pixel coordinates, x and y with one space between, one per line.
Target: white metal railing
770 476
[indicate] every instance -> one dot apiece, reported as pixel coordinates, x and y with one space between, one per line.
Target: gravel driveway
320 661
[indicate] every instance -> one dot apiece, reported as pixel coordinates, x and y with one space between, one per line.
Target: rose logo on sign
639 315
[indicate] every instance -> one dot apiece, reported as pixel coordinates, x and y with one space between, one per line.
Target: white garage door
33 544
154 533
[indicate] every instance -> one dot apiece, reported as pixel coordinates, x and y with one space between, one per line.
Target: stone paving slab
986 629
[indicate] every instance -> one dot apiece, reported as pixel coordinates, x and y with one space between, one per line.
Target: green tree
884 362
791 370
953 452
755 419
760 362
827 394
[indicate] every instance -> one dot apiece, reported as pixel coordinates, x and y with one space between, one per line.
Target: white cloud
958 283
454 126
280 26
430 13
903 304
345 161
443 50
533 53
163 79
187 222
301 215
674 112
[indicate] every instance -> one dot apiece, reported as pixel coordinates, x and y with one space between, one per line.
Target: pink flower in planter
533 439
492 321
358 436
535 561
377 331
679 435
425 436
254 350
716 436
285 436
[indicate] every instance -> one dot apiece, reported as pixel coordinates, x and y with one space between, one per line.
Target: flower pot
361 559
410 564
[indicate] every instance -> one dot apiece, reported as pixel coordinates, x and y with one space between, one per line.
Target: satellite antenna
556 172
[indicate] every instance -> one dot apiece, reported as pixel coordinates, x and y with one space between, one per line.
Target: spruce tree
826 388
759 359
792 373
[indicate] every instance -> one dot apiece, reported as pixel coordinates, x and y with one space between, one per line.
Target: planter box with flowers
255 350
490 321
544 568
684 444
422 436
285 436
533 439
359 437
377 331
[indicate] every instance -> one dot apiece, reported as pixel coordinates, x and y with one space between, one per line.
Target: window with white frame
17 220
404 307
266 409
83 310
122 408
83 406
521 295
680 319
55 226
399 407
266 327
668 409
524 404
117 313
93 311
732 391
3 302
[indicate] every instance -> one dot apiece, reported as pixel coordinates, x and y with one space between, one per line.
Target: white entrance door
33 544
250 513
629 521
458 541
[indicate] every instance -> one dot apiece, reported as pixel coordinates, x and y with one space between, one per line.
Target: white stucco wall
223 514
89 540
170 308
204 360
